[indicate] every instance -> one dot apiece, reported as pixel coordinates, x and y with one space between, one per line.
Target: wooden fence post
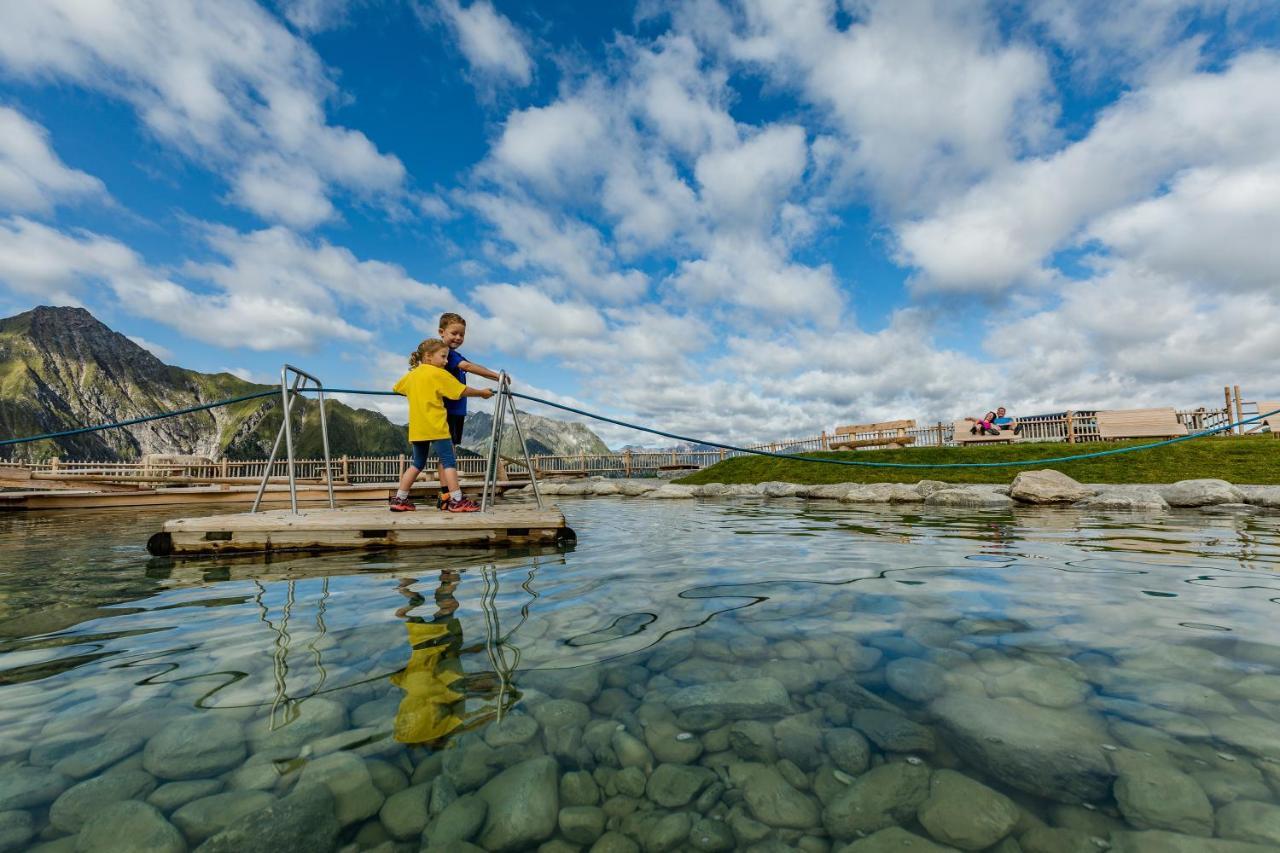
824 439
1071 427
346 468
722 454
1226 406
940 439
626 462
53 464
1239 409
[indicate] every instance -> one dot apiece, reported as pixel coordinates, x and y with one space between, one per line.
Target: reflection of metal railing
280 648
289 393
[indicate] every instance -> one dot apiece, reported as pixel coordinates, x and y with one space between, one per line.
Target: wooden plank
357 527
889 441
1273 422
1139 423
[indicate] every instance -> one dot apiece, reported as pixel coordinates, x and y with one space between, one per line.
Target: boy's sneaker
463 505
441 500
399 504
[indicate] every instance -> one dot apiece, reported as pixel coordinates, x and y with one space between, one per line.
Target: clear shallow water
1059 678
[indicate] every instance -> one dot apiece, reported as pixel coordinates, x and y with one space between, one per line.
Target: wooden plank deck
349 528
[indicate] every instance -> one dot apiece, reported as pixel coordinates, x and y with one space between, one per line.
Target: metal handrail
503 403
288 394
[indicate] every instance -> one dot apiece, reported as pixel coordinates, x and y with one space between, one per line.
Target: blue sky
742 220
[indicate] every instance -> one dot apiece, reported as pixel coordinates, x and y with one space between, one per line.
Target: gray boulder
888 795
458 822
774 802
317 717
675 785
130 827
404 814
304 820
780 490
965 813
1126 499
355 797
1153 794
195 747
16 829
968 497
1047 487
1046 752
1201 493
523 805
751 698
673 491
916 679
895 839
1268 496
1246 820
893 732
200 819
79 803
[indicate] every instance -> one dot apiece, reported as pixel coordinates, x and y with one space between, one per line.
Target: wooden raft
349 528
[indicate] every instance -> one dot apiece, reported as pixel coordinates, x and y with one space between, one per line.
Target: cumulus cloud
271 290
32 177
225 83
493 46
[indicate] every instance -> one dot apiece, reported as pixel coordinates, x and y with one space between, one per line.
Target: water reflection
740 671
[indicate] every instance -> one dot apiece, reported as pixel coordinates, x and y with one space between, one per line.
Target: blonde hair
448 318
425 349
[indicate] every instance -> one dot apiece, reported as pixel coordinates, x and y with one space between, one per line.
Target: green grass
1239 459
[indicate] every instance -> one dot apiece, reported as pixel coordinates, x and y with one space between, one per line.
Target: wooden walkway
350 528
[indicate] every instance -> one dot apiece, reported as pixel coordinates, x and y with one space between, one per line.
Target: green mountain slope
61 368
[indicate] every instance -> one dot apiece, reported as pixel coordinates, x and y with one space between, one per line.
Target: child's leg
449 480
416 464
407 479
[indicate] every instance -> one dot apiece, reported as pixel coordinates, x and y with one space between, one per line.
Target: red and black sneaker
463 505
399 504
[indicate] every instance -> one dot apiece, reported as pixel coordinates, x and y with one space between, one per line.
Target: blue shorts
441 447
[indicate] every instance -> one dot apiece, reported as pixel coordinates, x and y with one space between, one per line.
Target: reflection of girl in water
433 681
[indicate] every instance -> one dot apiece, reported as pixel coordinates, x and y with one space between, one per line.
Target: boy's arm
478 392
477 369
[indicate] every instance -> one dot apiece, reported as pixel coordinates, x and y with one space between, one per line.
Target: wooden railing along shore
1071 427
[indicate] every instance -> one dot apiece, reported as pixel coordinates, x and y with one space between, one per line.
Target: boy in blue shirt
453 330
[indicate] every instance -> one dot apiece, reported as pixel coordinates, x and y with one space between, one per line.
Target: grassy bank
1250 459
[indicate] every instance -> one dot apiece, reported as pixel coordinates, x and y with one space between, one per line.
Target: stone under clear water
723 674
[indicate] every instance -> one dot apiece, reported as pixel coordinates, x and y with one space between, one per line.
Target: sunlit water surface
1049 676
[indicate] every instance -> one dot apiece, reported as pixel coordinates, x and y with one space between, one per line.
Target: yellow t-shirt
426 386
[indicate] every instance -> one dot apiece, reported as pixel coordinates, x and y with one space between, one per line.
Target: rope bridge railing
1214 423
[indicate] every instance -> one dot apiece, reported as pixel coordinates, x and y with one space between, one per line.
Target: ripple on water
693 674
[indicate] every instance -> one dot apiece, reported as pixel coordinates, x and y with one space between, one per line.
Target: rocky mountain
61 368
544 436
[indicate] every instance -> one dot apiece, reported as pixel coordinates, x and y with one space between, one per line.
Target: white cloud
32 177
224 82
746 184
494 48
272 290
314 16
1002 230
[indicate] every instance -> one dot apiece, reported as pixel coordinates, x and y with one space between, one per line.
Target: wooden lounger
961 435
847 436
1139 423
1273 422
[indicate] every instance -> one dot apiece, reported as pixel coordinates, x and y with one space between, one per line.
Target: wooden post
1226 407
1071 427
626 462
346 468
1239 409
53 464
824 439
722 454
940 439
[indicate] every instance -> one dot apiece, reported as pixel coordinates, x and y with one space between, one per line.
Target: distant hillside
61 368
544 435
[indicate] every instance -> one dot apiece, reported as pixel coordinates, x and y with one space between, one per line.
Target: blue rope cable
671 435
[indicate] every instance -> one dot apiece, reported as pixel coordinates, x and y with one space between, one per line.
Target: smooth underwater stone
1252 734
304 820
710 836
752 740
1047 486
1046 752
82 801
581 824
16 829
1247 820
511 731
631 751
630 782
1044 685
614 842
1170 722
1056 839
1155 795
774 802
894 839
172 795
1162 841
28 787
195 747
894 732
848 750
387 778
523 805
670 744
1260 687
675 785
964 813
405 814
886 795
856 657
916 679
799 739
355 797
578 788
130 826
458 822
316 718
199 819
1203 492
750 698
97 757
666 832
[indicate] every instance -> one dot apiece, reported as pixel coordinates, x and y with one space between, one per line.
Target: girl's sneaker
463 505
399 504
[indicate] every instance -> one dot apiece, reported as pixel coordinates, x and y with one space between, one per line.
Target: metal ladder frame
289 393
504 401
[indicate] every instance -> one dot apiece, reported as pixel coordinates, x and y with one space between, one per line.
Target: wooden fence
1071 427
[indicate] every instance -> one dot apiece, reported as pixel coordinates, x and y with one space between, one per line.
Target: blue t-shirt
458 406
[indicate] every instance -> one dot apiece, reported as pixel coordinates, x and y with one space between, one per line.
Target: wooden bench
1273 422
847 436
960 435
1139 423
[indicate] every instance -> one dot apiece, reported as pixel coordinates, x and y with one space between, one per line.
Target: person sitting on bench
1004 423
985 425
